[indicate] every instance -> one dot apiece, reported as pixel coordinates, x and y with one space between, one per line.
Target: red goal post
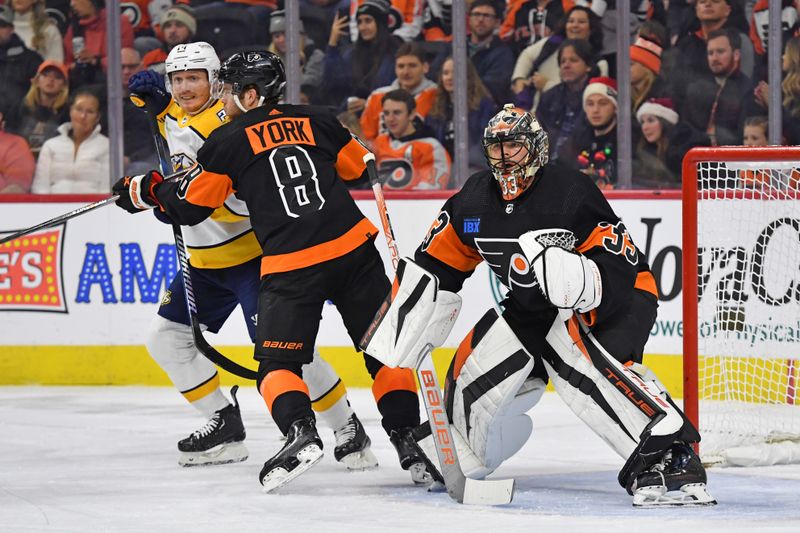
741 286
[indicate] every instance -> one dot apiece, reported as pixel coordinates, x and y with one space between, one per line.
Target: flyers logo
507 261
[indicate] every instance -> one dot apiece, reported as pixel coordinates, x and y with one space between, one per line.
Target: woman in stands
537 69
481 109
77 160
45 106
353 72
791 92
36 29
663 143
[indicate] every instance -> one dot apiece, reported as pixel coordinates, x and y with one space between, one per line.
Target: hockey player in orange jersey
288 165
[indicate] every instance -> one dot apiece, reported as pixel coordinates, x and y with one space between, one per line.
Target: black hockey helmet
255 68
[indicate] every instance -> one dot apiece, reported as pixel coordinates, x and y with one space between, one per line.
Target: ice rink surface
88 459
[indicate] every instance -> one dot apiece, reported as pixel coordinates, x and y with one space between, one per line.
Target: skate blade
420 475
231 452
693 494
278 477
362 460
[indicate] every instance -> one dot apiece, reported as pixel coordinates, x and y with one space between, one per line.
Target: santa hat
659 107
647 53
602 85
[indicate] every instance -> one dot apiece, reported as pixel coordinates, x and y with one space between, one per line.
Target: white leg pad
620 404
491 395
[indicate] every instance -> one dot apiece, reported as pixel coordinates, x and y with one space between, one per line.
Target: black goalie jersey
287 163
476 225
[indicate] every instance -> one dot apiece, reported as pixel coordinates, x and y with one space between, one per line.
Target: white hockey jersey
226 238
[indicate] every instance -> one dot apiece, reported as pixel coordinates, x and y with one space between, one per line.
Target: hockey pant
172 346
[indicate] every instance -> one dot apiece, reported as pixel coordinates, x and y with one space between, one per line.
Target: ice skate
412 458
303 449
677 479
353 446
220 441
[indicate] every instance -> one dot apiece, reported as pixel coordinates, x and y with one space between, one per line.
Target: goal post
741 302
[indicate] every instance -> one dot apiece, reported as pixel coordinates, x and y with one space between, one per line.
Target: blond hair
791 83
639 91
32 99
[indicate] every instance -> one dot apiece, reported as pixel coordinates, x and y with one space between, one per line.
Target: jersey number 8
296 177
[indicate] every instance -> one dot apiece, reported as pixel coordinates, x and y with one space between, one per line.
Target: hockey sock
207 397
286 395
395 392
332 408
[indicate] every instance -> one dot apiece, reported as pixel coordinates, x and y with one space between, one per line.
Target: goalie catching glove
415 317
137 193
567 279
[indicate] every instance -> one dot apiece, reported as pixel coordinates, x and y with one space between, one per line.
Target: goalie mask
253 68
516 147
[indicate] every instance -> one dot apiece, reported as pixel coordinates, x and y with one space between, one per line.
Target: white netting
748 309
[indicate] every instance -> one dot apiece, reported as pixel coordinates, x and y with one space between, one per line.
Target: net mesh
748 310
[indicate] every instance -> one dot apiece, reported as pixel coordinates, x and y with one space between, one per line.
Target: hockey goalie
581 302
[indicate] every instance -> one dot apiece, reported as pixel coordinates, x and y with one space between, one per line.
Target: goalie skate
220 441
413 459
678 479
303 449
353 446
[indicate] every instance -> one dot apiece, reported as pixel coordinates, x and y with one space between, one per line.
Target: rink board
75 301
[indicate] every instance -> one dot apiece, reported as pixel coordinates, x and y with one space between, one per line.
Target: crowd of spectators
698 78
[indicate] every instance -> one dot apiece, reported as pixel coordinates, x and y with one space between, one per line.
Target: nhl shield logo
509 209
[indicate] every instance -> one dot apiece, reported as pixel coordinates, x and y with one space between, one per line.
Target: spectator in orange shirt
410 66
16 161
407 155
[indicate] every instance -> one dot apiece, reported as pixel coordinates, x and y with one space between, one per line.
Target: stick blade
488 491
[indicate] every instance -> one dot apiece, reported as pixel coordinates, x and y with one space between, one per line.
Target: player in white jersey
225 260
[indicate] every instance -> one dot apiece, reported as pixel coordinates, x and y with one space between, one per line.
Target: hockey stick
200 342
72 214
459 487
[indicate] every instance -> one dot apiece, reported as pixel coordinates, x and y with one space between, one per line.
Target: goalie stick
459 487
208 351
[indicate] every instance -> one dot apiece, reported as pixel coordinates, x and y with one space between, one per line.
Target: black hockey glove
137 193
150 85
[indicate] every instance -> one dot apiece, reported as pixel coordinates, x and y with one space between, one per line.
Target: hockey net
741 272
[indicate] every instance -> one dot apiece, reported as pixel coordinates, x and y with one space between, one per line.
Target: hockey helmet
192 56
254 68
515 146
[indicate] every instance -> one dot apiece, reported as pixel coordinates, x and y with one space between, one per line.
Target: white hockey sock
328 393
171 345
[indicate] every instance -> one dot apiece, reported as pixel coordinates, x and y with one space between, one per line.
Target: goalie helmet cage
741 302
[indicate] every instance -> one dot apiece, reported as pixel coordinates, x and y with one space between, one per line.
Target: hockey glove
568 279
150 86
137 193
